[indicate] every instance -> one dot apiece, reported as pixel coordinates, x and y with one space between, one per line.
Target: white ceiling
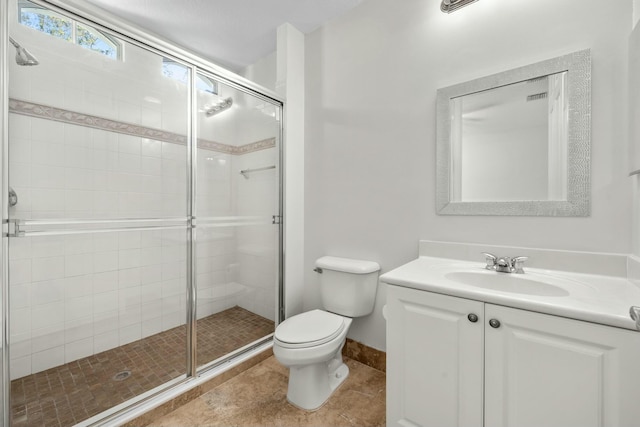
231 33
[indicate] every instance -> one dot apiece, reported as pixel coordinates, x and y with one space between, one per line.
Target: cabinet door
543 370
434 360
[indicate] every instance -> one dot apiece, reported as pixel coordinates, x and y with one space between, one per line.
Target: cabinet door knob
472 318
494 323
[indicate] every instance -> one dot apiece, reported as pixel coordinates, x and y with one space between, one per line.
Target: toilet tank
348 286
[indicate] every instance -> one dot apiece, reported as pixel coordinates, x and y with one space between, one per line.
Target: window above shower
49 22
179 72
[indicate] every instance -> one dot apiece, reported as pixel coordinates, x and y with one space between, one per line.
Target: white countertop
589 297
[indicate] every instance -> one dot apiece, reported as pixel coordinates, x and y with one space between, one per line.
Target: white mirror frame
578 203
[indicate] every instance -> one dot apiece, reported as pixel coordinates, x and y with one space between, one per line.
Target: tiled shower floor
68 394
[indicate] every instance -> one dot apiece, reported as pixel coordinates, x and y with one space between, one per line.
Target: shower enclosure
142 201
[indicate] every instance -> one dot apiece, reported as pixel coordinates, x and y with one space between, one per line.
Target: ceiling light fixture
449 6
221 106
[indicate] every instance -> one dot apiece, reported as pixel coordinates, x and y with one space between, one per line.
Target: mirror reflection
509 143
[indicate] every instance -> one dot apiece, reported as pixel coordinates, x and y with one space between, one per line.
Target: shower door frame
112 25
5 407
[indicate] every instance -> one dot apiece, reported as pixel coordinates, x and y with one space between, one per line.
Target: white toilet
310 344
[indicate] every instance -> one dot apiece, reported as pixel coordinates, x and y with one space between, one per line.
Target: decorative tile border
237 151
216 146
66 116
255 146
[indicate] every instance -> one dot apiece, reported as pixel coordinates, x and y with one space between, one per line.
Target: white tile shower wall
257 245
79 295
73 296
113 289
216 254
222 263
133 90
64 170
138 287
216 246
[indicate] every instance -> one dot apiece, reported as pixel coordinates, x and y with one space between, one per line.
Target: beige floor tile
257 397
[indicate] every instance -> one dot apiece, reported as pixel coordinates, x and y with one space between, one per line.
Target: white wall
290 84
634 91
263 71
371 81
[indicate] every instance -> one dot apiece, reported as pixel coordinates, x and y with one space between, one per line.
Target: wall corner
290 84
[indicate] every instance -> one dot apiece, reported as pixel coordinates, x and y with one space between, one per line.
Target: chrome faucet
505 264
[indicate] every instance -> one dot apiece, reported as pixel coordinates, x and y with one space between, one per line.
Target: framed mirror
517 142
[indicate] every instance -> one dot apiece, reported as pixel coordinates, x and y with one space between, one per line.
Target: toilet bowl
310 344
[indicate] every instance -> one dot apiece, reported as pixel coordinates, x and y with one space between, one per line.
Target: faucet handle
491 260
517 263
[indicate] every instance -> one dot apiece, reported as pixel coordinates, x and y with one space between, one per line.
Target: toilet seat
309 329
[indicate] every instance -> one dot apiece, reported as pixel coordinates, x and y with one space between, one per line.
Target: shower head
449 6
221 106
23 57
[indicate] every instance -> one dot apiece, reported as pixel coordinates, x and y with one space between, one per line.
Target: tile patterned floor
257 397
67 394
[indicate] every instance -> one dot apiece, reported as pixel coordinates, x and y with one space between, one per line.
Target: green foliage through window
56 25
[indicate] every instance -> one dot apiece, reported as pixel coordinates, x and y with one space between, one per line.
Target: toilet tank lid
347 265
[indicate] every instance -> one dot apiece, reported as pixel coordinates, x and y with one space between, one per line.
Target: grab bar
247 171
29 233
233 221
72 221
17 226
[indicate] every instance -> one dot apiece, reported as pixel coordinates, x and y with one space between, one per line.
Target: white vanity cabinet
510 368
434 359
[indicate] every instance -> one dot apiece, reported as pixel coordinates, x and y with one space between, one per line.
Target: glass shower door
238 216
99 223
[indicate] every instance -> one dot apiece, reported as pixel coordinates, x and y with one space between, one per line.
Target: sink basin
505 282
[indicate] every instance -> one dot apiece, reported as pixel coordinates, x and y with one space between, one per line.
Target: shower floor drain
121 376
